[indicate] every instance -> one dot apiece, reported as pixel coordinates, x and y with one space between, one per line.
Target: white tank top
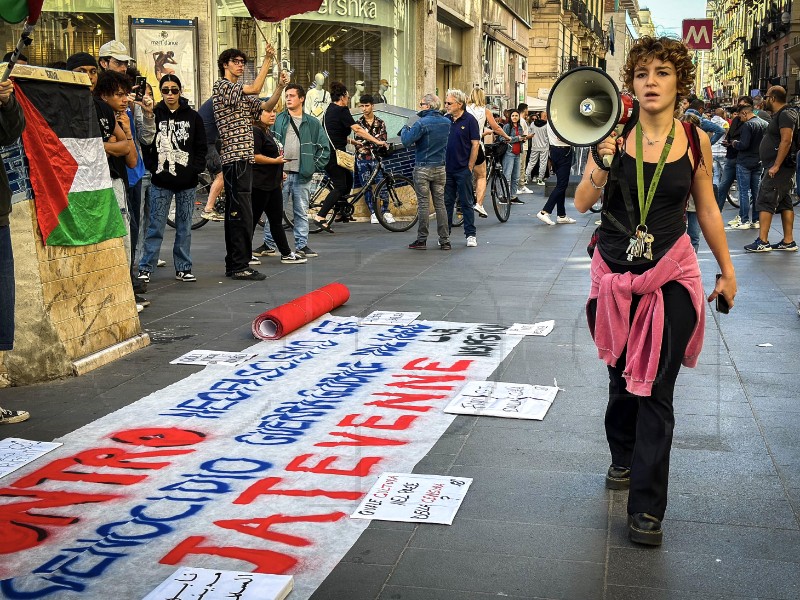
479 112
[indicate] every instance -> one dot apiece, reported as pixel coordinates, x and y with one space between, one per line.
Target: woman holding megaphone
645 307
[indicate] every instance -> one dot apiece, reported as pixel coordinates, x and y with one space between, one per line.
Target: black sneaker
293 259
618 478
516 201
445 246
249 275
418 245
306 252
13 416
141 300
645 529
143 276
185 276
785 246
262 250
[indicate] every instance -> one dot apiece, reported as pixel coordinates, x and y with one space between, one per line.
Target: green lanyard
644 205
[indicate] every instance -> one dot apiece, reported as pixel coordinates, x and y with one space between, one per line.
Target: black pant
271 203
342 180
238 178
639 429
561 156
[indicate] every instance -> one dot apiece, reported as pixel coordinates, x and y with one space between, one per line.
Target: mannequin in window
354 101
317 98
380 96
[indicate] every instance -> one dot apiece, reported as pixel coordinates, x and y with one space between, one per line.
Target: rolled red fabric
286 318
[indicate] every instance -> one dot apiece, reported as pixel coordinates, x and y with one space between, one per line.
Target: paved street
537 522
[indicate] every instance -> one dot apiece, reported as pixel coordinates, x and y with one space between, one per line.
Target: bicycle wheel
458 218
733 194
200 199
500 197
314 206
401 214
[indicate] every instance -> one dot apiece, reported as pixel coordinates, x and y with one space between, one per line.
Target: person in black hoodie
175 157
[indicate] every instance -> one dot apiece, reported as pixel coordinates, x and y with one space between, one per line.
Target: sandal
323 225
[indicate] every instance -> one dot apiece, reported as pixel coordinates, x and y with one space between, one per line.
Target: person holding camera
645 308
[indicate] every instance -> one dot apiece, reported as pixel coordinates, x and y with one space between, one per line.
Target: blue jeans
298 192
726 178
6 289
459 183
135 212
511 171
365 168
561 156
747 180
160 199
693 229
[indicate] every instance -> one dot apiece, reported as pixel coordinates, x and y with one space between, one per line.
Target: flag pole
24 40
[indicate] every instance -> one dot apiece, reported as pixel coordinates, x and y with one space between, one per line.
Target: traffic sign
698 34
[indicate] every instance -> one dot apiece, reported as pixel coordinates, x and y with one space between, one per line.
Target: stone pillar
425 51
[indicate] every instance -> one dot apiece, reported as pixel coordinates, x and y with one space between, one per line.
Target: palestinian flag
75 203
16 11
277 10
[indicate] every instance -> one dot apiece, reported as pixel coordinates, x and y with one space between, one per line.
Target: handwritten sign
413 498
387 317
500 399
541 329
213 357
210 584
15 453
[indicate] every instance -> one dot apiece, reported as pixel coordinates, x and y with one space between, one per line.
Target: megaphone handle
605 163
607 160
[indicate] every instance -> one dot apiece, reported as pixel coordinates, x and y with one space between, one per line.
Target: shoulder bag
343 159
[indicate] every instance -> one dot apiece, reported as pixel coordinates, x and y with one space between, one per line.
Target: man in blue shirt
462 152
714 131
429 136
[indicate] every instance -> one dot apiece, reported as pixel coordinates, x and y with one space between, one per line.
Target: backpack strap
694 145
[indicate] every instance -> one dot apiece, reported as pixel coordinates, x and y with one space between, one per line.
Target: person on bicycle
176 158
487 125
365 162
338 123
429 137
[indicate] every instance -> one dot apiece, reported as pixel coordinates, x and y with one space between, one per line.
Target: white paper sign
387 317
212 357
413 498
500 399
188 583
15 453
541 329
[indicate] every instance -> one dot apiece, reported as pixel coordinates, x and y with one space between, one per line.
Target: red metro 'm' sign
698 34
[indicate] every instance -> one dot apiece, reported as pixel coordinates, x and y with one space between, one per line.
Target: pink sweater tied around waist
613 330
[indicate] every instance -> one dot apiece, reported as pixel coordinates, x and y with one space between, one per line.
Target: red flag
16 11
277 10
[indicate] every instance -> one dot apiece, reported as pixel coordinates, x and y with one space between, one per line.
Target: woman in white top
476 106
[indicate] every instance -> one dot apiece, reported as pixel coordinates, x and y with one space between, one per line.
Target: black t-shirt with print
338 122
266 177
108 122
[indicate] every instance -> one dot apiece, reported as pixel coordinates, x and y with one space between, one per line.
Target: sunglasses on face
166 91
238 61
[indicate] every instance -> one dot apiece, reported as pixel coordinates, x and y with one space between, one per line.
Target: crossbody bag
343 159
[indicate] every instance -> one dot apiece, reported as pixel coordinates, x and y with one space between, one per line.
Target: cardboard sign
412 498
213 357
385 317
15 453
499 399
541 329
210 584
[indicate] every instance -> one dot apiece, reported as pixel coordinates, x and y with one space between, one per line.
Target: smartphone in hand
141 87
722 304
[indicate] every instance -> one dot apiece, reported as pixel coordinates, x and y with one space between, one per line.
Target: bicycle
397 189
733 193
496 181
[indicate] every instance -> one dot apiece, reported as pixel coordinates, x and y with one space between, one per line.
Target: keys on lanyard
641 244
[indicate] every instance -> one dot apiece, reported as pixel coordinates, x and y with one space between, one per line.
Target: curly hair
647 48
338 91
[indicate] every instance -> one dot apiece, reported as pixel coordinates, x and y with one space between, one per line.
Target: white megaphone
585 106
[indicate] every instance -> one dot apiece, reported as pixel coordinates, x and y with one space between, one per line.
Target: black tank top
665 221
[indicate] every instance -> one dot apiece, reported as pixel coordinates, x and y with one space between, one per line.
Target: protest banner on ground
501 399
15 453
213 357
387 317
209 584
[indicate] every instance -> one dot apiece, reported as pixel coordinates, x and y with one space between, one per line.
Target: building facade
620 35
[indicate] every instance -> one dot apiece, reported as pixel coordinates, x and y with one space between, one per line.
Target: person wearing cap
113 56
176 158
380 95
83 62
235 109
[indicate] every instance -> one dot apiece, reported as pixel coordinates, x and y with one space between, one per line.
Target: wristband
591 180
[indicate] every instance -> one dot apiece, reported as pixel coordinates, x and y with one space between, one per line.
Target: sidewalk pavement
537 522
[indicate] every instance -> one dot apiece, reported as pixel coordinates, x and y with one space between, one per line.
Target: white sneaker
539 181
480 210
524 190
735 221
740 225
254 260
755 225
388 217
565 220
161 263
544 217
472 241
139 308
374 219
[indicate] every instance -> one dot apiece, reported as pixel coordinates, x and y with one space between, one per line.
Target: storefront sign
382 13
360 9
167 46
